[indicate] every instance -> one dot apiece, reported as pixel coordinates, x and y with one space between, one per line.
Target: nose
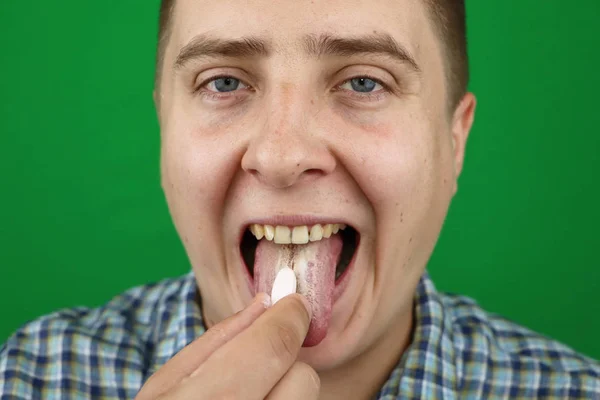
287 148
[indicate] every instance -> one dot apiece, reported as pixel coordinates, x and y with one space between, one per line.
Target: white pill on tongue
314 265
284 285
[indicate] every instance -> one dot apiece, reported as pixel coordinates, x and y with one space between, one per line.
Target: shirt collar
189 315
427 369
177 324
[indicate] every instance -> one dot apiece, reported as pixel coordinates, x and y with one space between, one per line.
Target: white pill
284 285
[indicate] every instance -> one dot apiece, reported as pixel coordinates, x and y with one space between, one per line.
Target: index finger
252 363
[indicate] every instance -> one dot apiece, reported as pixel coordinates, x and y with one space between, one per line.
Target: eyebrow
323 45
206 46
379 44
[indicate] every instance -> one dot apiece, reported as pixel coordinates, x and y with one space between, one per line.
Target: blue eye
225 84
361 85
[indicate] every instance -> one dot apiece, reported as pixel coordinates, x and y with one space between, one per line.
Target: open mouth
299 235
321 256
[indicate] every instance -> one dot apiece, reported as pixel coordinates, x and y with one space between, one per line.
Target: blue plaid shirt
458 351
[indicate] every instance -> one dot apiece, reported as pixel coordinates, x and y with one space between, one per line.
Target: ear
462 120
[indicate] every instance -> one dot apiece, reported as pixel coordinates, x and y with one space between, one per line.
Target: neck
364 376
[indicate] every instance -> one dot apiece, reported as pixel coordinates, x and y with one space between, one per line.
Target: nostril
311 174
313 171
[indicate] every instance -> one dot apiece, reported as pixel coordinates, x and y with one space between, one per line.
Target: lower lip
340 284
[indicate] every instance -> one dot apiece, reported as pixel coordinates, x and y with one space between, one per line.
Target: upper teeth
298 234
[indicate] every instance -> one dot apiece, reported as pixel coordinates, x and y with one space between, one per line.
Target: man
324 136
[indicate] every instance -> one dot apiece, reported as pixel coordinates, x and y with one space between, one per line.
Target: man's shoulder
130 313
80 342
512 351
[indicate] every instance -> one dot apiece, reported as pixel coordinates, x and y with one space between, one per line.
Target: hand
251 355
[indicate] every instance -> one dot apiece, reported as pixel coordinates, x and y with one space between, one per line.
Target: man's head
299 113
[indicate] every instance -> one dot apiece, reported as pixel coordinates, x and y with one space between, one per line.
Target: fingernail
264 299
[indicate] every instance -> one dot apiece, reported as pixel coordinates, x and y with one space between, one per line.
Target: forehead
285 22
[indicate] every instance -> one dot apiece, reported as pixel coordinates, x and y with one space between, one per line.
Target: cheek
392 160
201 152
200 148
196 166
404 169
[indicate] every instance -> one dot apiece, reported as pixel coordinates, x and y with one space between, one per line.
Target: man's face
304 125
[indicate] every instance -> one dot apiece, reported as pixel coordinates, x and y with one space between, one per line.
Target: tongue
314 264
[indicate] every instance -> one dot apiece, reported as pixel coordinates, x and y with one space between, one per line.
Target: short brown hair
449 20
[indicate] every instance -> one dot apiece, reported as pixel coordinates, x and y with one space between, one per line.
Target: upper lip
292 220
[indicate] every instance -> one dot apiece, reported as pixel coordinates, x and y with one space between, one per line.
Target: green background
82 216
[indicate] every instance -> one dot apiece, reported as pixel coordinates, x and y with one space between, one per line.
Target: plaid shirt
458 351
